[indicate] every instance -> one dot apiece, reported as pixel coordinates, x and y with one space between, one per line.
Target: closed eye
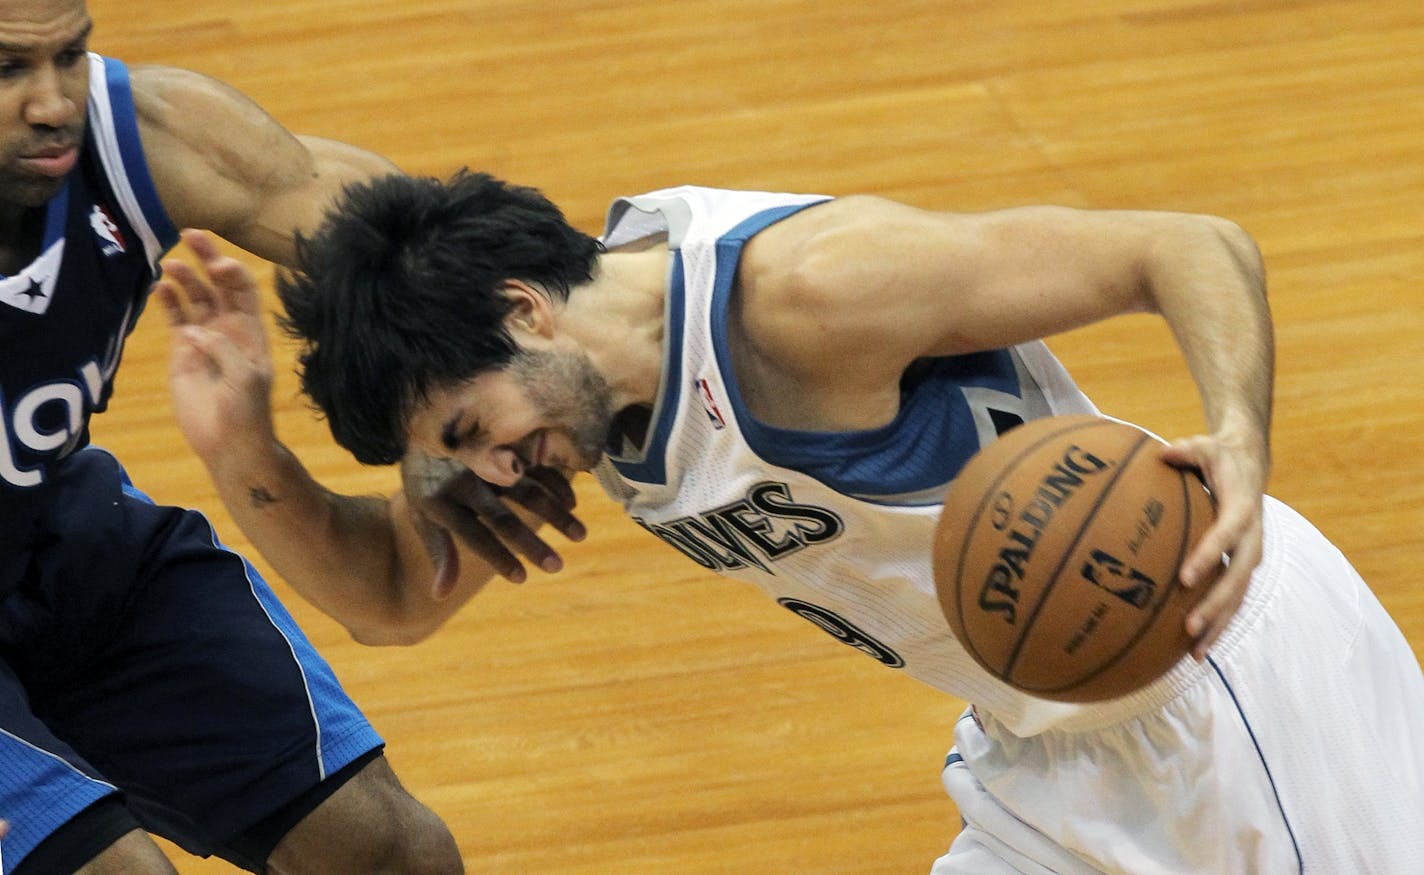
452 436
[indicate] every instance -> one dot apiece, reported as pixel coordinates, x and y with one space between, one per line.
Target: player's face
44 85
546 408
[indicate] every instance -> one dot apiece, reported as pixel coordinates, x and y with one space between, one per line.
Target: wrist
259 458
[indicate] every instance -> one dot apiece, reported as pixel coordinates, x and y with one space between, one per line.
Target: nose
500 466
47 104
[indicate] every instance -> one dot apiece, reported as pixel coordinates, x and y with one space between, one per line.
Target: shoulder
178 102
803 286
211 150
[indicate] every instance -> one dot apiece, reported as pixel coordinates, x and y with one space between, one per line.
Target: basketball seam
1168 591
1053 580
1007 470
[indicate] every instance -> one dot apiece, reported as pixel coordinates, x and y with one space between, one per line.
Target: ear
531 314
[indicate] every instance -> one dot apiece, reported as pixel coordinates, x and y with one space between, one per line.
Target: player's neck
618 320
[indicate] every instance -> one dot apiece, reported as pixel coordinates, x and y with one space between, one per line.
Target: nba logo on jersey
111 240
709 404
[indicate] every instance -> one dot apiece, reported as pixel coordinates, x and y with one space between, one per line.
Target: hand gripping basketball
1057 553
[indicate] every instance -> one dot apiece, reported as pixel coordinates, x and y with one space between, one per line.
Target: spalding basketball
1056 557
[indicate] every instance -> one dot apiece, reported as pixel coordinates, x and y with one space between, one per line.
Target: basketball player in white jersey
781 386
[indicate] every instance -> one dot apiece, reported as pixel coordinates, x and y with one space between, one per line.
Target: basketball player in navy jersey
781 387
149 679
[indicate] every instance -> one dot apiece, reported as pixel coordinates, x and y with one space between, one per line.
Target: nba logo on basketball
709 404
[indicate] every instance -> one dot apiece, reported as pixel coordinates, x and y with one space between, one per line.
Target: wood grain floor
635 715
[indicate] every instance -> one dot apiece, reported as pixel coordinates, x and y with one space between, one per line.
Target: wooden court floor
634 715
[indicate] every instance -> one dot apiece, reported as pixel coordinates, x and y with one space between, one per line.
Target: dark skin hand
449 497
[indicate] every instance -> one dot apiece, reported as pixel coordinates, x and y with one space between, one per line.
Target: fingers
224 285
476 536
547 494
464 526
172 303
188 298
1235 476
556 484
469 529
1209 619
508 529
490 528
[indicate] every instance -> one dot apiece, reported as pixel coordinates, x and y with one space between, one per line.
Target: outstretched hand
448 500
220 368
221 372
1235 471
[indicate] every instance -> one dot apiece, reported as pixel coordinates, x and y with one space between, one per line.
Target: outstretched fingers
223 285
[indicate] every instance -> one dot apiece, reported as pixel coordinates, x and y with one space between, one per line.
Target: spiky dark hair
399 292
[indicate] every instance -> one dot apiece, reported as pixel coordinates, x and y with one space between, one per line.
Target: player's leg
992 840
131 854
212 712
134 853
369 825
65 817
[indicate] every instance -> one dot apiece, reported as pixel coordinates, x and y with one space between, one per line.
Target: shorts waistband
1189 672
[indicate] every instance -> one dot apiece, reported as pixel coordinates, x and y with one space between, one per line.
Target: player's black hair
398 293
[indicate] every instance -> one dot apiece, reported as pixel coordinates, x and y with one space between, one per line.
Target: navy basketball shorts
140 657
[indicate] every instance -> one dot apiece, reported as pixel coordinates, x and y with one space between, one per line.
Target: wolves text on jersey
754 531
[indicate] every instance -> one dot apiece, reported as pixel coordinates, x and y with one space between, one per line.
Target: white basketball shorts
1298 746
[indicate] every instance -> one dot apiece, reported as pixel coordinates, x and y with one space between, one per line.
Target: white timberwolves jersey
834 526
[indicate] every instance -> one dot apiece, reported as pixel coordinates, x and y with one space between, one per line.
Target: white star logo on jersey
111 239
32 289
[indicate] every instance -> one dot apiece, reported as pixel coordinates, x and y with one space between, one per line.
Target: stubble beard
567 388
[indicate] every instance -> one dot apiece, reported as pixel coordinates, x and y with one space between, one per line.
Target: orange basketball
1057 553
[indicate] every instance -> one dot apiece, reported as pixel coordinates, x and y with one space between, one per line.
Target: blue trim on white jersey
652 466
1295 845
125 123
910 460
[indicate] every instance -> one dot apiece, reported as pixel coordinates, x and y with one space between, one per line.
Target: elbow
391 633
1197 247
1241 247
398 623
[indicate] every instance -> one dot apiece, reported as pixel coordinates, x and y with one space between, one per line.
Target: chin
29 191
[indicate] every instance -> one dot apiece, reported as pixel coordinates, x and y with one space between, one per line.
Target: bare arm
366 561
222 163
896 283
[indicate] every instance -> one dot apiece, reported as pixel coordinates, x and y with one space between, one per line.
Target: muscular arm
896 283
220 162
368 562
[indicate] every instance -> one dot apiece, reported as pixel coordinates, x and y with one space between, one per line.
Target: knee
415 842
370 825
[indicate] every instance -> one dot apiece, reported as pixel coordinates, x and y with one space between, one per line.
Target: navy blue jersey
64 317
138 655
